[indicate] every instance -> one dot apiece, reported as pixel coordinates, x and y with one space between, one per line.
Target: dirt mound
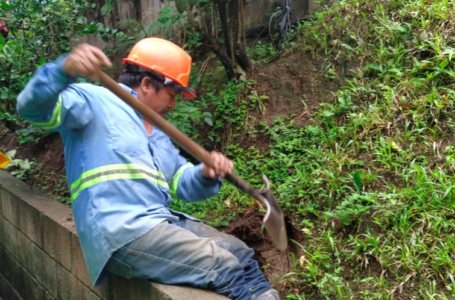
274 263
294 84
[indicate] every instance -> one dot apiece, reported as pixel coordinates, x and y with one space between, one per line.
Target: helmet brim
189 94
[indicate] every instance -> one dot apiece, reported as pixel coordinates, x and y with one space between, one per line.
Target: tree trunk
137 10
234 20
232 54
241 56
214 45
235 28
115 15
214 21
221 4
98 16
225 61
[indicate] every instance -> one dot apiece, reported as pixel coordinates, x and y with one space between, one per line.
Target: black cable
285 29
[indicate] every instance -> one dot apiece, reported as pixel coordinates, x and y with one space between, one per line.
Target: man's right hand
86 61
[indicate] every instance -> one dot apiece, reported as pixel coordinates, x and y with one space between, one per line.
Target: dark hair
134 79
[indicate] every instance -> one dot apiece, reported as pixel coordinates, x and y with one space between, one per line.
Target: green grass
379 158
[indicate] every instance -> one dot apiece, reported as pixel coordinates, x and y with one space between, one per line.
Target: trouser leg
255 281
171 254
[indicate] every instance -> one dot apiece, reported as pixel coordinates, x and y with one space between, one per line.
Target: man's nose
172 103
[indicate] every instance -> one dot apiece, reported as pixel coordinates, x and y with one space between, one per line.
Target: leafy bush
189 118
39 32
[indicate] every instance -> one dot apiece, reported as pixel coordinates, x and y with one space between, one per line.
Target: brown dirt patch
274 263
48 152
294 79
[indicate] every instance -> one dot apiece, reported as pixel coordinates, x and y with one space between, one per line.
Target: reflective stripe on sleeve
114 172
175 180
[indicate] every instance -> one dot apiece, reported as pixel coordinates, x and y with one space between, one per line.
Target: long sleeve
188 184
50 101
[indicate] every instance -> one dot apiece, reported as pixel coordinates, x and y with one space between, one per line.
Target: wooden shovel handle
176 135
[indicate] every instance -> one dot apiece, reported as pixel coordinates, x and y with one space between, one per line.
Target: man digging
122 172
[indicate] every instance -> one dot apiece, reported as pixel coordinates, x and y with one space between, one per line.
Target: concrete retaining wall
41 259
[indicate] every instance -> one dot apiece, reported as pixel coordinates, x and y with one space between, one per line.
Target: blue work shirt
120 179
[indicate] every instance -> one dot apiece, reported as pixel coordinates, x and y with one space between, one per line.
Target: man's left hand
222 166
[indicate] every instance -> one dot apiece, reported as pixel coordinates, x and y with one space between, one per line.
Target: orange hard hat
165 60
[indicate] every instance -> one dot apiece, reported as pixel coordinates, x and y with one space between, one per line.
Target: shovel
273 220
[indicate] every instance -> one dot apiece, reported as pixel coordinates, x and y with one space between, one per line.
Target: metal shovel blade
274 218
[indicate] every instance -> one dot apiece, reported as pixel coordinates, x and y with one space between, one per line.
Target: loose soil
274 263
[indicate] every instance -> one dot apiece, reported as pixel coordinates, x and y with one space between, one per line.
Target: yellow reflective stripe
114 172
107 168
175 180
56 118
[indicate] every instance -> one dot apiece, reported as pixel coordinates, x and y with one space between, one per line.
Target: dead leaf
307 231
302 261
228 202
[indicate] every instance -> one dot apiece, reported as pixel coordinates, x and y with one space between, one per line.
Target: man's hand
222 166
86 61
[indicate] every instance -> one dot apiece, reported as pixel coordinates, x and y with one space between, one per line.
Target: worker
122 173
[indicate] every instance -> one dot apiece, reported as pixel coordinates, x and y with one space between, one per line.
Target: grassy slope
371 181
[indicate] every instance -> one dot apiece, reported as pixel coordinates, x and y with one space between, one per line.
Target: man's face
160 102
164 100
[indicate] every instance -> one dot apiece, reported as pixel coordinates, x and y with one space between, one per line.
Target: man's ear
146 85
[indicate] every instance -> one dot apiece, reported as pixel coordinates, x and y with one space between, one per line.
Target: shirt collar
129 90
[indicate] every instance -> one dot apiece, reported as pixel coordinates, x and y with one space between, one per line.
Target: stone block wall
41 258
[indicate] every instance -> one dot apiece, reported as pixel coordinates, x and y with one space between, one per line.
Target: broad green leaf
180 5
82 19
357 181
25 165
443 65
188 109
208 121
107 7
327 113
375 67
11 154
104 37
